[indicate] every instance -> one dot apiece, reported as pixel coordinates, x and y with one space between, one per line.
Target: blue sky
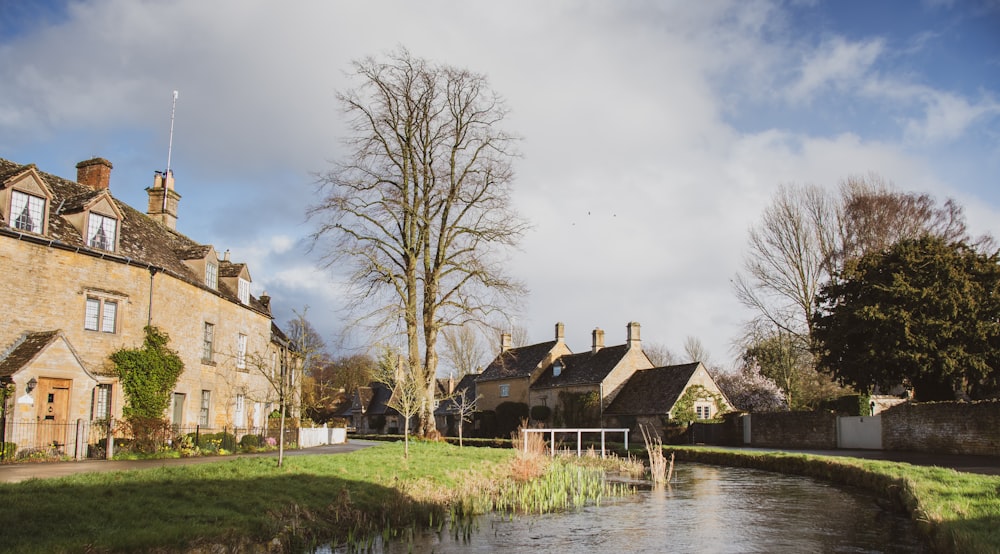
654 132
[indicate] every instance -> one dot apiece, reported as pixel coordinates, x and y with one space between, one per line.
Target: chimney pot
560 331
598 342
505 342
94 173
633 335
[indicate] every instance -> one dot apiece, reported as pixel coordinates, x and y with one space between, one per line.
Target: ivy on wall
684 407
147 375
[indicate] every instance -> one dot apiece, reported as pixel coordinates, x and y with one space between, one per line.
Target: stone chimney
265 300
598 342
163 199
633 335
560 332
95 173
504 342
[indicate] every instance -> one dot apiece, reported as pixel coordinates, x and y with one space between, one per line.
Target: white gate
864 432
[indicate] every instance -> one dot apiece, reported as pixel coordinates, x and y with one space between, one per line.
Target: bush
509 416
249 443
541 413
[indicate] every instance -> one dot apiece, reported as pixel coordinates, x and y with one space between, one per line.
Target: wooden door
53 411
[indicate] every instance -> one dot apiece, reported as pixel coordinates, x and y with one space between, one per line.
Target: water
705 509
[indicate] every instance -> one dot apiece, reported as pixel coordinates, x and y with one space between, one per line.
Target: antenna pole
170 148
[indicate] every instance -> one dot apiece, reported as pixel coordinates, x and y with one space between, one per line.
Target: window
101 315
504 391
26 211
101 232
703 410
212 275
241 351
244 291
102 402
241 402
208 344
206 400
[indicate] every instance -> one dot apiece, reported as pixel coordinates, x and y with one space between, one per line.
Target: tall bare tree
420 207
695 351
659 354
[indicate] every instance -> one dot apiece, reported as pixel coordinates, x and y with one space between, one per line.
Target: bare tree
696 351
420 208
464 349
407 393
659 355
464 406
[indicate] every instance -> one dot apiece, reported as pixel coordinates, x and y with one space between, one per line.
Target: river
705 509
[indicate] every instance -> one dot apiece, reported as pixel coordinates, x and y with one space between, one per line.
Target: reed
657 461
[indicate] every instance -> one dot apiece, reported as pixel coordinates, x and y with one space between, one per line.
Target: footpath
14 473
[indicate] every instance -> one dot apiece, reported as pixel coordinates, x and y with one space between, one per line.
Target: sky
654 133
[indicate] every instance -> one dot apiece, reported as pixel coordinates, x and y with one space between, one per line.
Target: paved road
13 473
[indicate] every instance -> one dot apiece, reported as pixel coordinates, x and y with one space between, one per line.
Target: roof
517 362
25 350
373 400
585 368
141 239
652 391
450 405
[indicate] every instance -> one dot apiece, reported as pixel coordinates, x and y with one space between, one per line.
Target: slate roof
449 405
652 391
141 240
585 368
25 350
516 362
374 399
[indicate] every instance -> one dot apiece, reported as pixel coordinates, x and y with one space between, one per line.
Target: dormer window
244 291
212 275
557 369
27 211
101 232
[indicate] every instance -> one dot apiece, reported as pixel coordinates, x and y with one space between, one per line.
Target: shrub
249 443
541 413
509 416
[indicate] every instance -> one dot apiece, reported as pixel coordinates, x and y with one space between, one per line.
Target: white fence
319 436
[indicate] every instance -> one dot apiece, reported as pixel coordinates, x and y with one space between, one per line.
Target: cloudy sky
654 133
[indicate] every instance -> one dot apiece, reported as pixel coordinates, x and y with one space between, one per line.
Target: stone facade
943 427
101 299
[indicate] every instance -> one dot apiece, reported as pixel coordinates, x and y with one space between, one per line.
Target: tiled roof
141 240
375 400
25 350
516 362
585 368
449 405
652 391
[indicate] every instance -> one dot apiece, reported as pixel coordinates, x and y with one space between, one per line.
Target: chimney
163 199
598 342
504 342
560 332
95 173
633 335
265 300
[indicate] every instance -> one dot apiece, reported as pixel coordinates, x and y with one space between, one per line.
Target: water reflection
706 509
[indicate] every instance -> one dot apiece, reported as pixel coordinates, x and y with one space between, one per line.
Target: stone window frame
212 275
208 343
505 390
241 352
98 223
205 410
101 319
34 206
243 290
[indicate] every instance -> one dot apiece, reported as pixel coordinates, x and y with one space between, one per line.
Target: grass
958 512
239 502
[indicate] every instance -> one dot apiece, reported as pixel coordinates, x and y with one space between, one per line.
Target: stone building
83 274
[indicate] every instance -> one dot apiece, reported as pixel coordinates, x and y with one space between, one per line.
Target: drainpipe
149 319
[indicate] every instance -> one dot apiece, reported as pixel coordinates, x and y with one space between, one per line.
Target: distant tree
926 312
695 351
519 336
407 391
749 391
464 349
659 354
465 406
420 205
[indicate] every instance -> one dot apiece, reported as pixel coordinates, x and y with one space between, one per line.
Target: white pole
170 148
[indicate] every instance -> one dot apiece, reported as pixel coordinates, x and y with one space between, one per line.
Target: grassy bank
959 512
248 504
240 502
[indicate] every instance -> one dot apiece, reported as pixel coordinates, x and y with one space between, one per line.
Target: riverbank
958 512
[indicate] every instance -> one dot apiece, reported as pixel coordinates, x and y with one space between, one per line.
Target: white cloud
836 64
948 116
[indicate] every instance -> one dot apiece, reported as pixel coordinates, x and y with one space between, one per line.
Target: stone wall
794 430
943 427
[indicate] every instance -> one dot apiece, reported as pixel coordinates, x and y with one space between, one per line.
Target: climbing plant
147 375
684 407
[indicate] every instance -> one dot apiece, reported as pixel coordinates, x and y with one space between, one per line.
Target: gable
653 391
47 352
